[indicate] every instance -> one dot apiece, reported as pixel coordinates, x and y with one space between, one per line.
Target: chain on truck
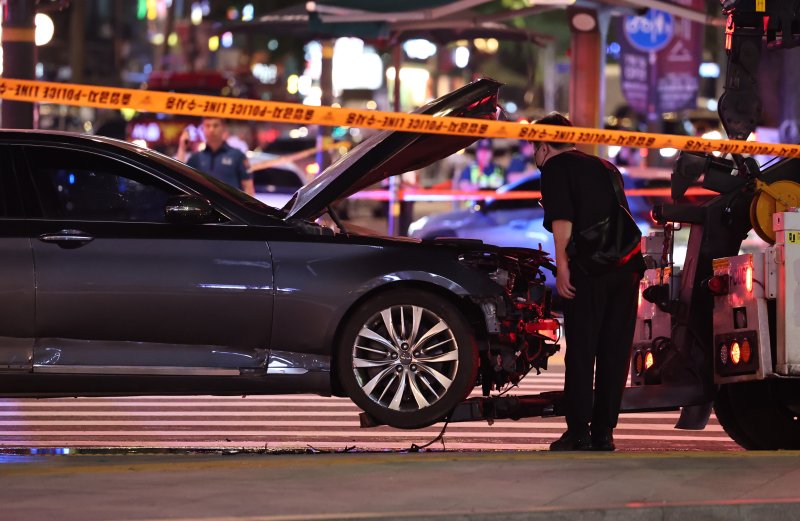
723 331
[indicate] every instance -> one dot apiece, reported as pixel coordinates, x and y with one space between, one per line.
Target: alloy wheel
405 358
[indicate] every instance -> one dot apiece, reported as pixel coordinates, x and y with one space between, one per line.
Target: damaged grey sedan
128 273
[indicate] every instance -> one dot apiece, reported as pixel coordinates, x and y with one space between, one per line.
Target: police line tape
436 195
281 112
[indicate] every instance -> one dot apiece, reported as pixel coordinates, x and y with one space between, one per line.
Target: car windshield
203 178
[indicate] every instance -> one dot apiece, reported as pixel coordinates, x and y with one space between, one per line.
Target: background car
516 222
275 181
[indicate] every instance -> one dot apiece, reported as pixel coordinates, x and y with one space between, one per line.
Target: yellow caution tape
217 106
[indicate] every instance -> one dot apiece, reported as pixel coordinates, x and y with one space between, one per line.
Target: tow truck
721 332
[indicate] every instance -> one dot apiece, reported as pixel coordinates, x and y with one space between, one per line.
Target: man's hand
183 143
563 284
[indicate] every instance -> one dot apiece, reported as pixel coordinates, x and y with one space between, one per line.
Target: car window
528 185
79 185
10 202
277 179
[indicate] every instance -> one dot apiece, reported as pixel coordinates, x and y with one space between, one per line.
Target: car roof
259 159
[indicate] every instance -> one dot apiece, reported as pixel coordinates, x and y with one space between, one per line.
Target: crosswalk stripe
313 423
277 445
266 413
300 421
323 434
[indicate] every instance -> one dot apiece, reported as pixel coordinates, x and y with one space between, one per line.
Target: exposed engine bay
522 331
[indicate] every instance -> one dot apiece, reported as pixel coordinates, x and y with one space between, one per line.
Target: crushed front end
522 333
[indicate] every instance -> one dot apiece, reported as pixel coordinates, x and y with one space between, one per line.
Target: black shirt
577 187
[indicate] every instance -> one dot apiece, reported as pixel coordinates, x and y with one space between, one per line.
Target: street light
44 29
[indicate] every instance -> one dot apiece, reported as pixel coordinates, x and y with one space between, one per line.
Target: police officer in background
599 308
218 158
483 173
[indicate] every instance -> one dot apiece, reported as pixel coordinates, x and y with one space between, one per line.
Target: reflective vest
478 177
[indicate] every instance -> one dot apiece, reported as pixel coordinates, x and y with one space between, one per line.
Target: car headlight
488 262
417 225
502 277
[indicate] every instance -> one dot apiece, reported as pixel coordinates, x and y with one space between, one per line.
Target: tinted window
277 180
10 204
82 186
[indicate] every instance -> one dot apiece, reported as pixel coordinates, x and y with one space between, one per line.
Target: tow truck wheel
757 417
727 418
407 357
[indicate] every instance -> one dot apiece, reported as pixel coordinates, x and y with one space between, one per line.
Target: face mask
536 155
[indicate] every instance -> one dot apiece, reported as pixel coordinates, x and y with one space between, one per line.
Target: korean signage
660 57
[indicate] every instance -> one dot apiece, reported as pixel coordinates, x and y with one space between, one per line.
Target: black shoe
572 441
603 441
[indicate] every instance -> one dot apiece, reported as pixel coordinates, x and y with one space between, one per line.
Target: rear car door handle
74 237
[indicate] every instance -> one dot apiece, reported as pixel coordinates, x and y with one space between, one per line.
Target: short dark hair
555 119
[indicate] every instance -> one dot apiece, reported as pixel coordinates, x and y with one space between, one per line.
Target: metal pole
584 73
603 21
549 78
326 99
19 59
393 217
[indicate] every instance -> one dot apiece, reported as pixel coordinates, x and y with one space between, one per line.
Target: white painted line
337 434
321 402
267 412
381 446
312 423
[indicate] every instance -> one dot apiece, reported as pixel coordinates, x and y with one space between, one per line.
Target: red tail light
548 327
748 279
718 285
746 351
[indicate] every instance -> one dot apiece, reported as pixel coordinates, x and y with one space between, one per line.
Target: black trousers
598 324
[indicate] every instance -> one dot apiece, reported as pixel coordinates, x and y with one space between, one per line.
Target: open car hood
391 152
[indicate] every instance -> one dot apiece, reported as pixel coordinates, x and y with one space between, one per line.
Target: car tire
760 418
403 377
726 415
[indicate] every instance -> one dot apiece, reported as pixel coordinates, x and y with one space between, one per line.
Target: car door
16 277
122 291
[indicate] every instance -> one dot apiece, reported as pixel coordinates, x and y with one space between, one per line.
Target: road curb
731 511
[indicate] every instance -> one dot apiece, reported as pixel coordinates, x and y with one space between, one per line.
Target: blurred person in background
483 173
218 159
521 163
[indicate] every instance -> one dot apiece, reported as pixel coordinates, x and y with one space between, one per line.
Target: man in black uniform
599 310
218 158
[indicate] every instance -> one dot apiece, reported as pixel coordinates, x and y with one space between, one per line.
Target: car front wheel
407 357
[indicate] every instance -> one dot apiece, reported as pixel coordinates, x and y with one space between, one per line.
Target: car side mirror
188 209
